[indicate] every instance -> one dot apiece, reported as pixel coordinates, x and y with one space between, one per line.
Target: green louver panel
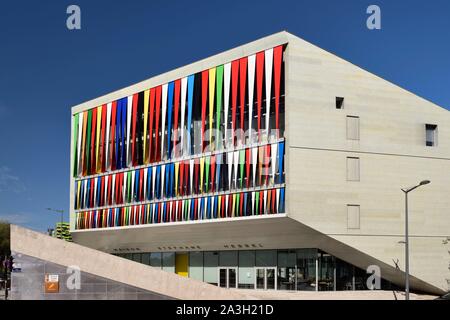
219 77
75 144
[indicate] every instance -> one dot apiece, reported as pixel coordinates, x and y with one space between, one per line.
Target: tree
4 238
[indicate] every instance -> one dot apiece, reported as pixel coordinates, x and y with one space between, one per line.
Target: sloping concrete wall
33 244
28 284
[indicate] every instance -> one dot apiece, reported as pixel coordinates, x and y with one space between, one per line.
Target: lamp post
58 211
406 191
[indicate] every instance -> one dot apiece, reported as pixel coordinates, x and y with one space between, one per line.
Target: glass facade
289 269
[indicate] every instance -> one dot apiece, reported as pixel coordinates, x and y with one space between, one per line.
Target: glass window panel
270 278
286 258
326 272
196 265
260 278
223 277
228 258
286 270
232 281
136 257
266 258
155 259
211 261
128 256
145 258
306 269
246 269
168 261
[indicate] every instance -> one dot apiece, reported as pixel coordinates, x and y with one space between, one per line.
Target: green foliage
62 231
4 238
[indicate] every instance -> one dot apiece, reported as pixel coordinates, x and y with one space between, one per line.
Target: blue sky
45 68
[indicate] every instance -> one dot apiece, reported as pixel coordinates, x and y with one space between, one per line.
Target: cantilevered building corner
274 165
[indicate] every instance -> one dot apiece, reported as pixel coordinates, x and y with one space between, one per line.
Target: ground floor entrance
266 278
282 269
228 277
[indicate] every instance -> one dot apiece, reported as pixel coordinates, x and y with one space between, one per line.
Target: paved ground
334 295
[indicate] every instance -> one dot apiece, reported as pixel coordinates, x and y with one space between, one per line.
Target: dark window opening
339 103
430 135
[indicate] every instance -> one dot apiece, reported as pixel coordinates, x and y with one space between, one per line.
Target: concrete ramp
32 248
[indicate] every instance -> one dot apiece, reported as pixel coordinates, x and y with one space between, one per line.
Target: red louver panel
196 167
150 124
204 97
102 143
259 86
94 130
241 203
274 197
277 57
222 207
133 130
157 118
181 193
261 202
180 211
141 185
186 176
175 116
213 172
234 89
242 84
195 208
112 159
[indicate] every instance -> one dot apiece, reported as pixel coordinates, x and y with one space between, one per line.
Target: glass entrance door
260 278
228 277
266 278
271 276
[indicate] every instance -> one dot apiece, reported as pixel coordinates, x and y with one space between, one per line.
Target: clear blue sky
45 68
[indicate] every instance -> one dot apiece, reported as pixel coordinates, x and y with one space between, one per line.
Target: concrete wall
29 284
392 155
58 253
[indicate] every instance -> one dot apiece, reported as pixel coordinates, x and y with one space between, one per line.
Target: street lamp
406 191
58 211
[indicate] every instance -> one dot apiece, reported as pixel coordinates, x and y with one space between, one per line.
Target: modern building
274 165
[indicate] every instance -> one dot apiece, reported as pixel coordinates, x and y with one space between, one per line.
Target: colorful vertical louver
206 146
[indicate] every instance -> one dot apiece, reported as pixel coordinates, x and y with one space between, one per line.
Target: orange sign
51 283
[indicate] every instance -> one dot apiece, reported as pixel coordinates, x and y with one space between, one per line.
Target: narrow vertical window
352 169
431 135
353 212
339 102
352 128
